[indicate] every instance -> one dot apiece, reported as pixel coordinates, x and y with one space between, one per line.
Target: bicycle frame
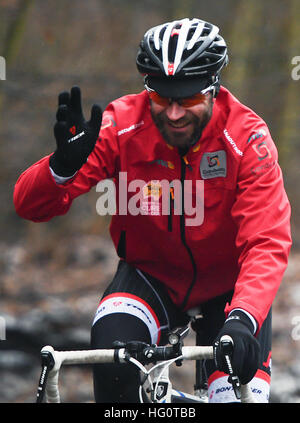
52 361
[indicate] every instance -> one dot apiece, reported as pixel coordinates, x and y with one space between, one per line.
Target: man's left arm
262 214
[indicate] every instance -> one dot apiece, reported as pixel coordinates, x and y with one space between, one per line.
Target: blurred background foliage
51 45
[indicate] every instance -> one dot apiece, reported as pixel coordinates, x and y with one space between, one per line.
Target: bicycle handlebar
52 361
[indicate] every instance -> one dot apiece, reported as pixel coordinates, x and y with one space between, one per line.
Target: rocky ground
51 302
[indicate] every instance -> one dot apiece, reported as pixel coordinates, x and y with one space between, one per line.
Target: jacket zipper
184 165
170 217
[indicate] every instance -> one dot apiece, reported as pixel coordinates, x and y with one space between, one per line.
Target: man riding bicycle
224 258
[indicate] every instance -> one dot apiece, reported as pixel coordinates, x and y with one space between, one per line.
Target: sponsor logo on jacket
259 134
213 165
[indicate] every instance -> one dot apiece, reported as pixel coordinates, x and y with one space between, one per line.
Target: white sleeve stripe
60 179
248 315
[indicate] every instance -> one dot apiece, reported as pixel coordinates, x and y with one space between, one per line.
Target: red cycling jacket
239 236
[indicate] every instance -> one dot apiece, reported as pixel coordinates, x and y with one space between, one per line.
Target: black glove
246 349
75 137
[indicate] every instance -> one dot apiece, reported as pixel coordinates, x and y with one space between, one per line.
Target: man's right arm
38 197
41 192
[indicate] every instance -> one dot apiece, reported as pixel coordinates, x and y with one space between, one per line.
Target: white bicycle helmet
182 57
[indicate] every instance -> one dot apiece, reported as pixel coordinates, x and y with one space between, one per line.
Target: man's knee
117 382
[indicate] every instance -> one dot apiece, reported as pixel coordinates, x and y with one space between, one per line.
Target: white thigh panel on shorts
221 391
130 304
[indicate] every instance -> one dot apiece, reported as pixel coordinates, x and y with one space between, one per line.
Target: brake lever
227 348
47 362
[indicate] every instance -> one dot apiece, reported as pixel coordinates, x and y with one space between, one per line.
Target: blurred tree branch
289 128
15 31
183 9
14 36
242 39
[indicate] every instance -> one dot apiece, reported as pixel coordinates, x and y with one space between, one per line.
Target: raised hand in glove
246 349
75 137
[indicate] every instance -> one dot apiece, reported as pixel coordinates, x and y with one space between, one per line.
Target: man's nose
174 111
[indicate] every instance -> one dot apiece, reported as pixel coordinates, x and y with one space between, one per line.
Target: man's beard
183 141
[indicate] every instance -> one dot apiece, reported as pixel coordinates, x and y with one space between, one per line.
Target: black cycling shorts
135 306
